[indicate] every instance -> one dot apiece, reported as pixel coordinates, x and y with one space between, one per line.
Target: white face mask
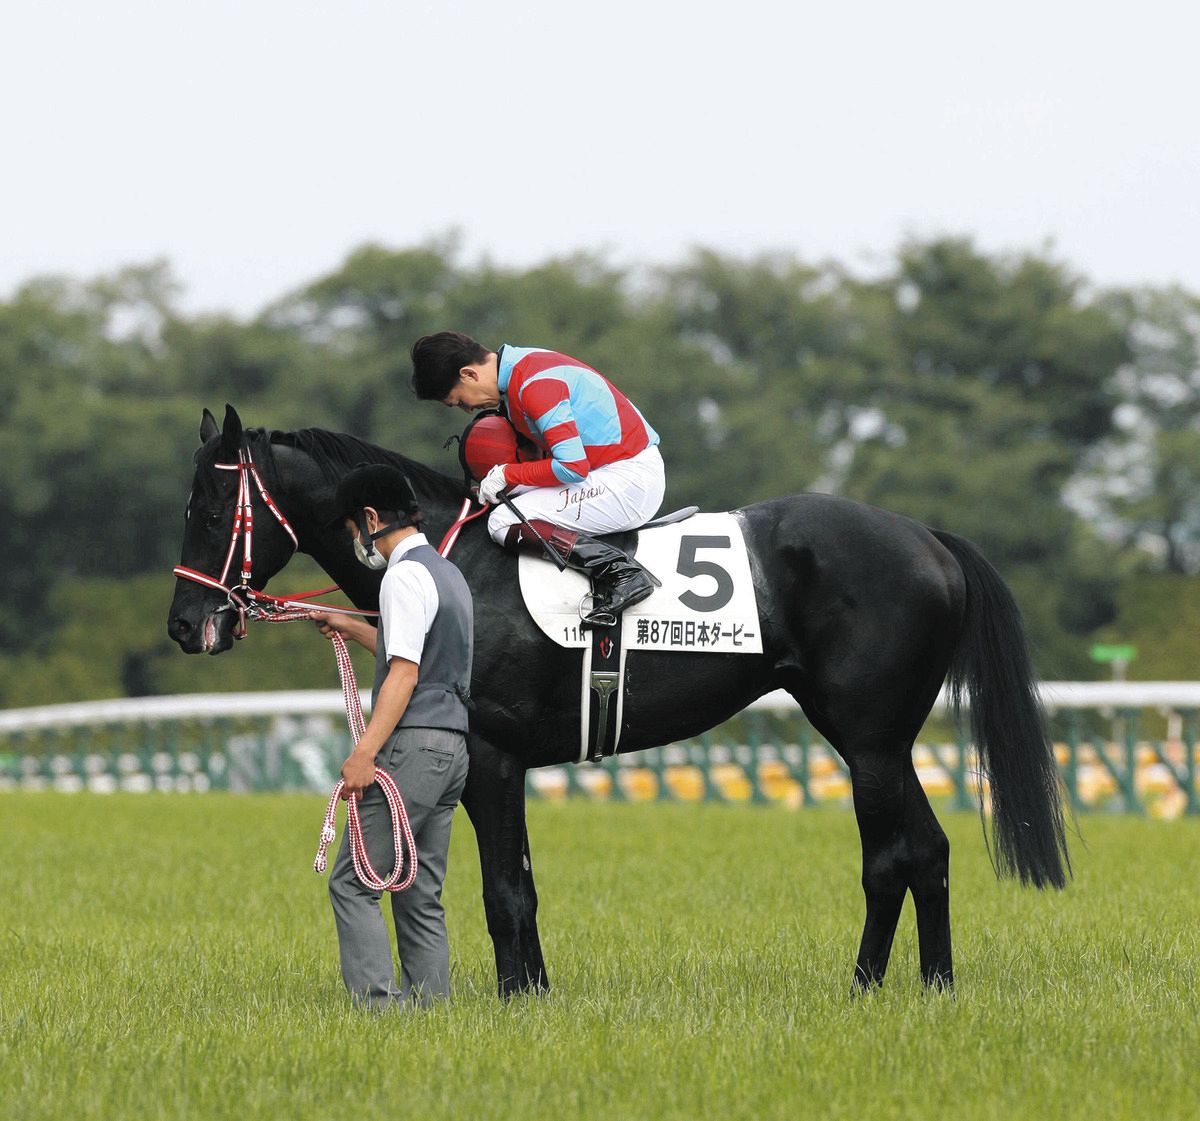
374 559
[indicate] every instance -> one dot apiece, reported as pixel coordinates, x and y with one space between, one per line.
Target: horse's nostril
179 627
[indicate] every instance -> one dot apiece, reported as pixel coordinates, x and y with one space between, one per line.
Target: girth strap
603 694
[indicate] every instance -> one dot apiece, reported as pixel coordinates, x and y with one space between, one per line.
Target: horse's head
203 618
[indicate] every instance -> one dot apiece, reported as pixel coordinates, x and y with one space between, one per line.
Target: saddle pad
707 602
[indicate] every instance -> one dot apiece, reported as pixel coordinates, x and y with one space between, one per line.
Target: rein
252 604
463 517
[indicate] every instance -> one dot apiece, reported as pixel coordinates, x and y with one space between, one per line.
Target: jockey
602 473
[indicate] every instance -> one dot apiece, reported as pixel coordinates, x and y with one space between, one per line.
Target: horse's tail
992 667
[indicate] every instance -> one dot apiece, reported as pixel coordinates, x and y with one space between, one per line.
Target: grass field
174 956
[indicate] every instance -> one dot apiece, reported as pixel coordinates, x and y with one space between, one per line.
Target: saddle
627 539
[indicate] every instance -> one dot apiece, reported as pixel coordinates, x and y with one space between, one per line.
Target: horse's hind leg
877 779
903 849
929 882
494 798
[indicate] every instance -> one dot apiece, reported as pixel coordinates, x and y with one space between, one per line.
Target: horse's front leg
494 798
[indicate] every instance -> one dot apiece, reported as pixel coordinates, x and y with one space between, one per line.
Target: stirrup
599 616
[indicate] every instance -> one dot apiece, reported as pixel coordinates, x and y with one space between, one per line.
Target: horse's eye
212 519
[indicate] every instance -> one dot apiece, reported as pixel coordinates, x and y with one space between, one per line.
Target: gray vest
444 680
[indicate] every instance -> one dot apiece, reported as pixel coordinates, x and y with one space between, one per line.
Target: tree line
1000 396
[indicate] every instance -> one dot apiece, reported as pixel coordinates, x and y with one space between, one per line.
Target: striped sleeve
546 401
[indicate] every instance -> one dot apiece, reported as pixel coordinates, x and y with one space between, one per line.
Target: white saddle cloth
707 602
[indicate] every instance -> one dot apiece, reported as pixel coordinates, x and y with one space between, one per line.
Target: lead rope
401 829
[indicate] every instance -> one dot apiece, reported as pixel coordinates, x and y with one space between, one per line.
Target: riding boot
618 581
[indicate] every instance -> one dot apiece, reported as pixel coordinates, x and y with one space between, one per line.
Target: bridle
251 603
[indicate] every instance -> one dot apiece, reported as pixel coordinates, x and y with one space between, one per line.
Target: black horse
864 614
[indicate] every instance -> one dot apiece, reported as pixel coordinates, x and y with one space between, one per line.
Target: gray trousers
430 768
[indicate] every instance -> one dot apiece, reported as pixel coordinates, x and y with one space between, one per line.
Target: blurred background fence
1126 747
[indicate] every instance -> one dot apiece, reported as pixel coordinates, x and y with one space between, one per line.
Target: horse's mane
335 453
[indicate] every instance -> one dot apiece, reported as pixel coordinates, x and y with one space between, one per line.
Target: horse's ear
231 434
208 427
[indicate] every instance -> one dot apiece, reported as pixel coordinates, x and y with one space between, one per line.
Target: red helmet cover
491 439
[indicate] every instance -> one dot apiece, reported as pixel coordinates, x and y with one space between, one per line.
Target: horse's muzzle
211 634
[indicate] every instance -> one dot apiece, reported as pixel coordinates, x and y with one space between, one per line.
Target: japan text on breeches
613 498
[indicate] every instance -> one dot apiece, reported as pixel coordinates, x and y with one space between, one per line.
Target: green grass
174 956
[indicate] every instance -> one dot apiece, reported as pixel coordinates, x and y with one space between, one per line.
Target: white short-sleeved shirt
408 601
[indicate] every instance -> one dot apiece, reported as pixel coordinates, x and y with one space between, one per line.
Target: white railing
1164 696
185 706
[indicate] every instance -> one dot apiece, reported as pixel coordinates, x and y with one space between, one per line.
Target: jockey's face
477 388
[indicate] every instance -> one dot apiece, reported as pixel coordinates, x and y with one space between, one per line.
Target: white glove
493 483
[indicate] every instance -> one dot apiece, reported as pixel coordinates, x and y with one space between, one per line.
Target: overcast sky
253 144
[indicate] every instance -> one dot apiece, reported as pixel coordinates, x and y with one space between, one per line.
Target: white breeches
615 497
